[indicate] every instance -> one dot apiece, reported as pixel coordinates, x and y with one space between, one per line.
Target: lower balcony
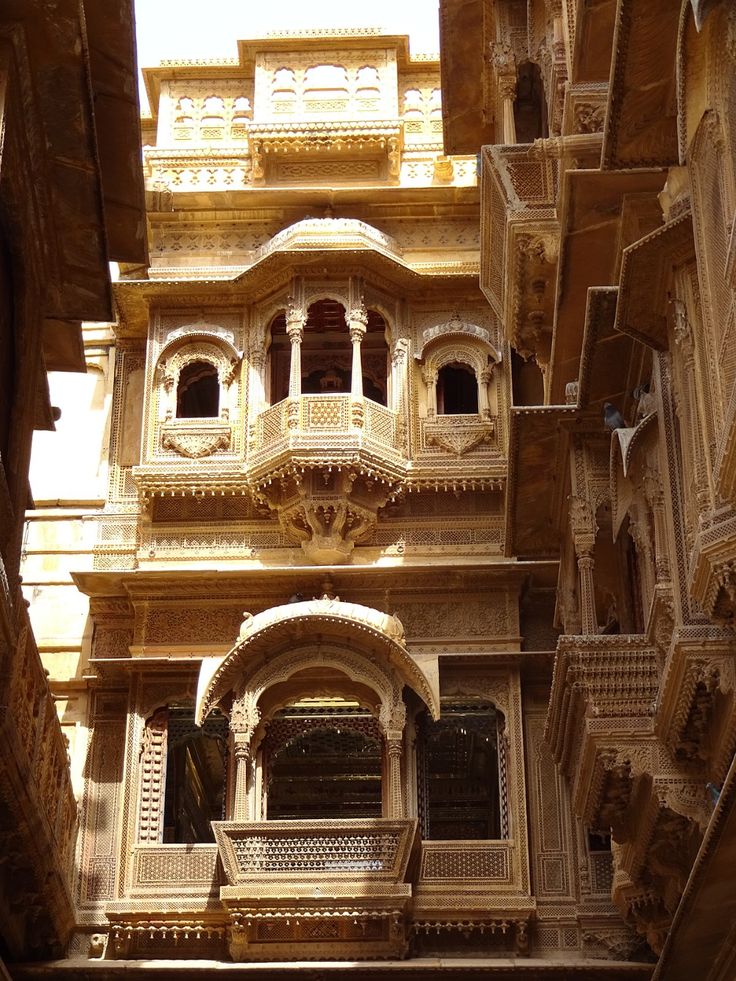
328 889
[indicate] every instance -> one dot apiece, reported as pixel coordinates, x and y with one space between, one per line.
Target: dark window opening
198 393
530 106
327 355
526 381
323 764
598 842
196 764
459 796
457 390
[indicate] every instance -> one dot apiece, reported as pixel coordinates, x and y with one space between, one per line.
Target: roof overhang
537 439
309 247
646 270
593 207
641 121
464 69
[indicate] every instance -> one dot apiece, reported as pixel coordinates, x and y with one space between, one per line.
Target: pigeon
646 401
612 417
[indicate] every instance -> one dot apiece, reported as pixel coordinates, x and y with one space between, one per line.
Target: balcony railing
374 849
322 422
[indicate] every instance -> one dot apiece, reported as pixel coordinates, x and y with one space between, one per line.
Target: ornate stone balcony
326 464
488 875
326 429
600 721
520 241
301 890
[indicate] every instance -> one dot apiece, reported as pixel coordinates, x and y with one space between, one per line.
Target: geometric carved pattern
345 848
466 860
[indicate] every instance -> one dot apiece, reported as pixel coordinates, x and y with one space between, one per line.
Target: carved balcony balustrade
297 889
326 429
326 464
282 151
493 896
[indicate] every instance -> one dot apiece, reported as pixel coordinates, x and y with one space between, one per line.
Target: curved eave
271 272
283 628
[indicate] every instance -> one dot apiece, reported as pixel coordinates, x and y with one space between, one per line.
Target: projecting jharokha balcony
322 883
326 463
336 424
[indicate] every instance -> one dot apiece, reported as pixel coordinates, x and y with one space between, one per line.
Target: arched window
458 765
457 390
323 759
198 392
195 776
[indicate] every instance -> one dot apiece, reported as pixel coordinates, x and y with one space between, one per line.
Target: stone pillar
295 321
685 342
357 319
241 804
430 380
484 380
257 398
399 389
295 329
244 717
583 528
655 497
392 719
639 530
357 325
394 746
586 564
507 89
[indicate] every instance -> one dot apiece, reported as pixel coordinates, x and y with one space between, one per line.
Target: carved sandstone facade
374 643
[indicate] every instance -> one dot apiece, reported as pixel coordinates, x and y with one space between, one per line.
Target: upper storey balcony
317 386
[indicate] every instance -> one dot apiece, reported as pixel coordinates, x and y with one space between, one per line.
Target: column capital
357 320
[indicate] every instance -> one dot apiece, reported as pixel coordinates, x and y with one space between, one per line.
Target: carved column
295 321
430 380
241 804
504 62
690 417
655 497
583 534
394 747
639 529
586 564
399 389
392 719
257 387
357 325
507 90
244 717
484 380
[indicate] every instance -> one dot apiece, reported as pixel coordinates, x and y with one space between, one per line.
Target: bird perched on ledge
612 417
